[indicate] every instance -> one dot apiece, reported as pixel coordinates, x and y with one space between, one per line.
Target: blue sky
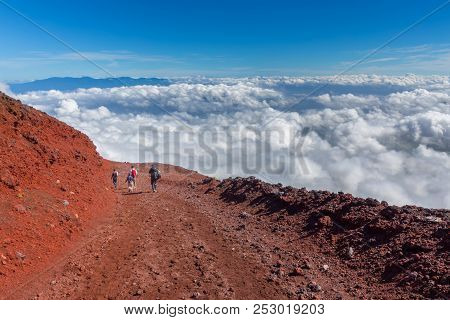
227 38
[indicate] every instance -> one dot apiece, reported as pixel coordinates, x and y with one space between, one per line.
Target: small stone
325 267
20 255
325 221
433 219
272 278
53 282
58 182
65 203
207 180
306 265
244 215
296 272
350 252
300 291
314 287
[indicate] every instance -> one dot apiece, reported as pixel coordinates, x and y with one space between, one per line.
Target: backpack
155 174
133 173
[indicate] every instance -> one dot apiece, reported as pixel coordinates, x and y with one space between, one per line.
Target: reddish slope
42 163
397 252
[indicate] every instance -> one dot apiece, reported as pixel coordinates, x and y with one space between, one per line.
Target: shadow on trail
134 193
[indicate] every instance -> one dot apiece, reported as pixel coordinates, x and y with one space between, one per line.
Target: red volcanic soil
197 238
52 184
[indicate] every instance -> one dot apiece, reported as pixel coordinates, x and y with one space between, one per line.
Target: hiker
155 175
114 177
129 180
133 173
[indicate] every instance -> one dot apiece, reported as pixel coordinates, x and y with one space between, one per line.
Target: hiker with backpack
130 181
155 175
114 177
133 173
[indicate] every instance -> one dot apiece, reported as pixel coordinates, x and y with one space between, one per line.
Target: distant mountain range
68 83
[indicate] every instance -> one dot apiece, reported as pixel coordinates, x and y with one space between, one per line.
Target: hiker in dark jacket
114 177
155 175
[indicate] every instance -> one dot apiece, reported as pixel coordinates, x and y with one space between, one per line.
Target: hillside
52 184
65 234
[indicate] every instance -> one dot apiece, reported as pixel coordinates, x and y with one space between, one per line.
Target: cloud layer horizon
372 136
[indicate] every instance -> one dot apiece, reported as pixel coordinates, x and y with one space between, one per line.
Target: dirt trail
200 239
154 246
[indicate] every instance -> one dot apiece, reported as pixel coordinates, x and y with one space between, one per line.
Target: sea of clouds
373 136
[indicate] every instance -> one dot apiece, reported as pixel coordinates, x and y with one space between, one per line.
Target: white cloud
180 97
67 107
5 89
345 100
428 128
358 79
392 146
409 102
96 114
